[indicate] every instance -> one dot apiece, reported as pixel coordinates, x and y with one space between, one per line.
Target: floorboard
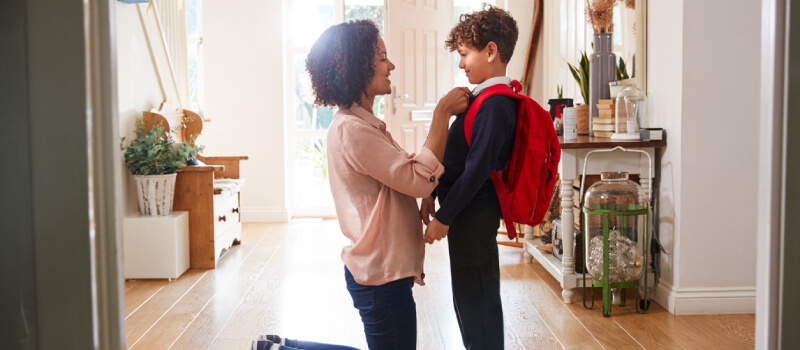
288 279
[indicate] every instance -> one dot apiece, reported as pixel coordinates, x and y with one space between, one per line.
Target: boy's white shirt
489 82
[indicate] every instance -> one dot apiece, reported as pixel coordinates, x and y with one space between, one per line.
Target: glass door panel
309 192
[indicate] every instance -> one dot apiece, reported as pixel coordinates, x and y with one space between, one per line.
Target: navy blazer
467 168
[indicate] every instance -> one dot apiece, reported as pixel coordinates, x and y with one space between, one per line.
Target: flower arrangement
631 4
600 14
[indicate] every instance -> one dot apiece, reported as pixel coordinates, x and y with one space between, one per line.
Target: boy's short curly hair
341 63
479 28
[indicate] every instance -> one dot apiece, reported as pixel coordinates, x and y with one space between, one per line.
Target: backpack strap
499 186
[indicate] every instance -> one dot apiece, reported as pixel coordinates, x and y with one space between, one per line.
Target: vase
155 194
583 119
602 70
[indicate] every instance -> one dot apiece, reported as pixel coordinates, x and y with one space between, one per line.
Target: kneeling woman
374 181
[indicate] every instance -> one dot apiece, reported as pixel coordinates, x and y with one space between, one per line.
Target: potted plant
581 75
153 158
615 87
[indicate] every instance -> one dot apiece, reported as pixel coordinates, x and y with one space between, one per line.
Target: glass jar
615 222
629 108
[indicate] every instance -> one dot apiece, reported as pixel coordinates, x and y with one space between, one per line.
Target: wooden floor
288 279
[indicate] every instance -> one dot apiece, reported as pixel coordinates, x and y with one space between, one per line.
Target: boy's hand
435 231
455 102
427 209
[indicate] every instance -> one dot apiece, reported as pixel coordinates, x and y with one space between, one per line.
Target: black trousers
475 271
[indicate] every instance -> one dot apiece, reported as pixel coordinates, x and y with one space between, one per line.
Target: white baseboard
707 301
265 214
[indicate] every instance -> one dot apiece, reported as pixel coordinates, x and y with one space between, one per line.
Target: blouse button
432 179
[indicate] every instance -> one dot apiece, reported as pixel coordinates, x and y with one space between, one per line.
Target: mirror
629 39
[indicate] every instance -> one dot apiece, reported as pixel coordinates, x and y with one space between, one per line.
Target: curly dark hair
480 28
341 63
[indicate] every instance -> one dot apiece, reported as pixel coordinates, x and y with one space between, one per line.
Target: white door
416 31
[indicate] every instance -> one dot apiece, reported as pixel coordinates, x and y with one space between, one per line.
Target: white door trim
771 175
102 142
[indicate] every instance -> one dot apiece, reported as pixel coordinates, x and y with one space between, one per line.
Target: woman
374 181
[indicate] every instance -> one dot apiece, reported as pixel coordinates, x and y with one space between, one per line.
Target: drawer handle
235 210
223 218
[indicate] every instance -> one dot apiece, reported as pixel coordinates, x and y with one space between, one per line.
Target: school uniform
468 204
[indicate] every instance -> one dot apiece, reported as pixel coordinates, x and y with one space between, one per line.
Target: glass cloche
630 107
616 216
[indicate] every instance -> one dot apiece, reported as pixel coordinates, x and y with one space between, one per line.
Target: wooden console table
573 154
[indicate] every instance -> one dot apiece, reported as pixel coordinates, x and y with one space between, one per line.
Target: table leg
646 184
568 230
527 257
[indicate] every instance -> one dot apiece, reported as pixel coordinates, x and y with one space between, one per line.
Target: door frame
773 163
65 283
108 287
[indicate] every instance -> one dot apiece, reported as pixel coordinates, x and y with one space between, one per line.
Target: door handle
395 97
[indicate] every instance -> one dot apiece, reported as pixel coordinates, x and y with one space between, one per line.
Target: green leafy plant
581 75
560 91
154 152
622 70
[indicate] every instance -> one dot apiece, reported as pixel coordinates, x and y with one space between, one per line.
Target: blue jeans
388 312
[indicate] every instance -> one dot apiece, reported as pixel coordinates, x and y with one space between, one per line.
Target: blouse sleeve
373 154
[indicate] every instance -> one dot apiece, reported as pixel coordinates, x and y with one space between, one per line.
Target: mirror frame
640 75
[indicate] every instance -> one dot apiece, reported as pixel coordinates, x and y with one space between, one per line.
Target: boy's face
474 62
380 83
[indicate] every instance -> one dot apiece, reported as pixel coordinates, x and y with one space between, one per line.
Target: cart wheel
644 304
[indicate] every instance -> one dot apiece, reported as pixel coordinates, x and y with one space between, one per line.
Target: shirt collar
489 82
367 116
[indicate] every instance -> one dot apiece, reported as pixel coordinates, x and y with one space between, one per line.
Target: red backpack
527 183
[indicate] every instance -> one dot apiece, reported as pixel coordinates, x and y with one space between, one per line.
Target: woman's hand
435 231
427 209
455 102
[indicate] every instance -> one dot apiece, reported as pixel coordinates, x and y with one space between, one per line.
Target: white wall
704 91
137 88
720 128
664 91
244 98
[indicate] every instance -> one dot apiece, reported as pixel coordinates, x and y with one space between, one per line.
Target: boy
468 206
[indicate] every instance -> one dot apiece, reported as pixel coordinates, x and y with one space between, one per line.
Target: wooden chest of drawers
214 220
